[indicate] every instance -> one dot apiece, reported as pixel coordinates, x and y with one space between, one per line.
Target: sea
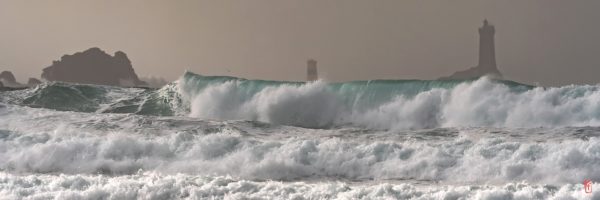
218 137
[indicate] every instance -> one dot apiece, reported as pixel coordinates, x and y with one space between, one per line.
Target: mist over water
225 137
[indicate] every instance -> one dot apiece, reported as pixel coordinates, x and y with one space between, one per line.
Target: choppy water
229 138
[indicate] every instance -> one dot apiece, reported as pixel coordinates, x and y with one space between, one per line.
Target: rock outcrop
33 82
93 66
8 79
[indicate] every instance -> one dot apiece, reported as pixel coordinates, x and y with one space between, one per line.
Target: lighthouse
487 54
311 70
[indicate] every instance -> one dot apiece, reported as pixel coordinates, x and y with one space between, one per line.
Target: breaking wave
408 104
458 160
379 104
110 144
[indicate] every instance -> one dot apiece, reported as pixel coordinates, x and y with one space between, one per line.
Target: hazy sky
551 42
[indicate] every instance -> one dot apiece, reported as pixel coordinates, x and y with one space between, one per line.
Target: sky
545 42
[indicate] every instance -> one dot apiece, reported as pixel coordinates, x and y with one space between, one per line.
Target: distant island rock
33 82
474 72
8 79
93 66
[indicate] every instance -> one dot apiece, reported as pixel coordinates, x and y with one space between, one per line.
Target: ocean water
230 138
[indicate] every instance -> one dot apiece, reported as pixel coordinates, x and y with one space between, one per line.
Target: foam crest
308 105
483 103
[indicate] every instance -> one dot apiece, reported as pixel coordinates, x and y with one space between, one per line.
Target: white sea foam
123 144
147 185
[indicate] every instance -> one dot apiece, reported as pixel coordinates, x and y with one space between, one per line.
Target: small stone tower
311 70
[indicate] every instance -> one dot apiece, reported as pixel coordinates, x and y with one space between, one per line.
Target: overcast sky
551 42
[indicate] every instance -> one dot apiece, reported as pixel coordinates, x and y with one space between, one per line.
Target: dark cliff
8 79
33 82
93 66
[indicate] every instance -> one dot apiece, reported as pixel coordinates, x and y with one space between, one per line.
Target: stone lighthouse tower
311 70
487 54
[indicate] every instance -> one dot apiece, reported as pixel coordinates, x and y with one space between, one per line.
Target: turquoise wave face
363 94
92 98
60 96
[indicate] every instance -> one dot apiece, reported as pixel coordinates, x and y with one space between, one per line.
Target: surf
376 104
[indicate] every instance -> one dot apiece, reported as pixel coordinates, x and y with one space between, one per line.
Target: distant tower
311 70
487 54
